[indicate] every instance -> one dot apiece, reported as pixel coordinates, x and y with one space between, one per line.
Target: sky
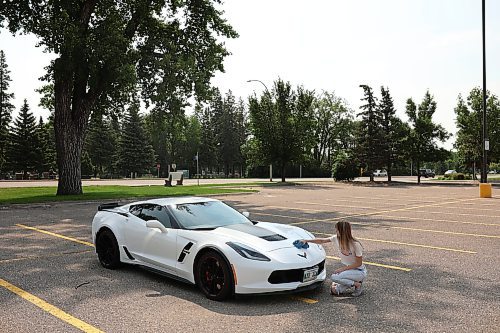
408 46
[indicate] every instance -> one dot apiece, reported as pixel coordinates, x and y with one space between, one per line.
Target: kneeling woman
351 255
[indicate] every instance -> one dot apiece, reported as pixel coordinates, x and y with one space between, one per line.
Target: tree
24 152
469 123
393 131
333 130
47 146
104 48
135 153
370 136
6 108
424 133
281 122
101 144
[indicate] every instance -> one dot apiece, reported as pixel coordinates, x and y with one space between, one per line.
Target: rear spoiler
108 206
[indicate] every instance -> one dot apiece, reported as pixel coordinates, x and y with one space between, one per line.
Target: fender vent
185 251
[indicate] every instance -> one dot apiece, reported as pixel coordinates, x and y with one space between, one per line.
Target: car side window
155 212
135 210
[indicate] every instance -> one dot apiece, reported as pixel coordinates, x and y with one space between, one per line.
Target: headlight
247 252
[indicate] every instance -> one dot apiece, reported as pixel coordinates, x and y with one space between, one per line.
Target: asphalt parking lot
431 253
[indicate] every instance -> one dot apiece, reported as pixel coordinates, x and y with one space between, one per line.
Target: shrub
344 167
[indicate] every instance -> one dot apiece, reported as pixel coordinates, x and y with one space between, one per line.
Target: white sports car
205 242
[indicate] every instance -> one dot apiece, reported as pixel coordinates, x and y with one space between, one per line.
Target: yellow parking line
459 214
303 299
43 257
439 220
56 312
378 265
305 209
380 212
447 232
407 244
56 235
332 205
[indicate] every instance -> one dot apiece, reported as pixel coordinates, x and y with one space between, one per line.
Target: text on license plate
310 274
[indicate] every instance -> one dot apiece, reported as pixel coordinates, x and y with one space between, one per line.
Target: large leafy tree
135 153
370 147
24 151
103 48
6 108
469 124
333 130
424 133
281 122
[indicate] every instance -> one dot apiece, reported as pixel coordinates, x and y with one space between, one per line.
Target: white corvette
205 242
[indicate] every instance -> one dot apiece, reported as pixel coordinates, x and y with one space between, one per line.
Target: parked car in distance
380 173
449 172
492 172
427 173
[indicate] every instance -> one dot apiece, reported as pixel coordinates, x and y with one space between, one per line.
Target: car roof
175 200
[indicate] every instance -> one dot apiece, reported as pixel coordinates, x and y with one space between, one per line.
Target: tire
213 276
107 249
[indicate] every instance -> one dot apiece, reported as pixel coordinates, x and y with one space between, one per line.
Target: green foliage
281 123
370 136
334 128
344 167
469 124
421 144
6 108
135 153
101 145
24 151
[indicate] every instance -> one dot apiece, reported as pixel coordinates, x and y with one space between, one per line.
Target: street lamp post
484 174
270 165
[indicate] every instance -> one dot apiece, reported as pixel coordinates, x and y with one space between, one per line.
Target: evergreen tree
135 153
24 151
6 108
393 131
100 144
424 132
370 148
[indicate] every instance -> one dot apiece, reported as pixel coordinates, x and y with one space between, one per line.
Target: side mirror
245 214
155 224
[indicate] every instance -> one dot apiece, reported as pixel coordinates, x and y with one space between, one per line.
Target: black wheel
213 276
107 249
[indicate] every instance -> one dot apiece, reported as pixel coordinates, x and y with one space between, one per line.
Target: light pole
270 165
484 175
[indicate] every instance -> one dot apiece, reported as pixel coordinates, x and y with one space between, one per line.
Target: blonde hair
344 235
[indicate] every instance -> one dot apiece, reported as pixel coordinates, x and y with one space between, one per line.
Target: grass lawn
48 194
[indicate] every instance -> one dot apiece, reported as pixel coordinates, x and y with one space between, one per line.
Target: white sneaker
357 291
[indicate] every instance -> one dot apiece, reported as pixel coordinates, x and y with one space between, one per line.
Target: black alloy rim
212 276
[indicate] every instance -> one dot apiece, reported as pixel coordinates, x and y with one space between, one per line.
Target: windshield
207 215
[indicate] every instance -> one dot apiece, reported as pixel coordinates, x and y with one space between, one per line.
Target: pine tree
24 152
370 137
135 152
390 126
6 108
100 144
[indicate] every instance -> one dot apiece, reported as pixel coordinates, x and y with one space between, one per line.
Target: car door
159 248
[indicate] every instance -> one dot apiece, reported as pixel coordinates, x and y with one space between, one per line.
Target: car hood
263 236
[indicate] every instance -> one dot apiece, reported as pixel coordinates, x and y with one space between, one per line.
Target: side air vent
273 238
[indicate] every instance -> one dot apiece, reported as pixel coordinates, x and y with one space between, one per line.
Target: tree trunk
283 165
418 171
389 169
70 121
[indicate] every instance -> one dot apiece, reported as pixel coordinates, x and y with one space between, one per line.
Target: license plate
310 274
